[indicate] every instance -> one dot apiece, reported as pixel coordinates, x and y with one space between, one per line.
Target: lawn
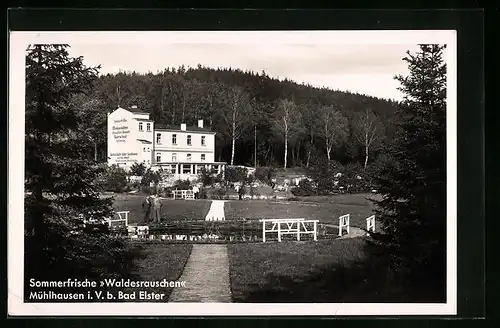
158 261
172 209
326 209
290 271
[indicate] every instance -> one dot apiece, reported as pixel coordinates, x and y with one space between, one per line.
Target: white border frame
18 42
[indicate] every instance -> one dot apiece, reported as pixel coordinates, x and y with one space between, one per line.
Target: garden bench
290 226
182 194
122 217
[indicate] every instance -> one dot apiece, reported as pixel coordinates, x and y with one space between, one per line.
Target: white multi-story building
183 151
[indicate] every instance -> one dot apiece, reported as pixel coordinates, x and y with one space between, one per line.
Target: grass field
172 209
291 271
326 209
158 261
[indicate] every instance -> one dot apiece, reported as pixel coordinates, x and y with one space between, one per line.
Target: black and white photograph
232 173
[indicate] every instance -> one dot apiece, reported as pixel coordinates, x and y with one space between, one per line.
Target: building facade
182 151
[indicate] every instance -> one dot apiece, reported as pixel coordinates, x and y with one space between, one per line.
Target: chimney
183 126
134 106
200 123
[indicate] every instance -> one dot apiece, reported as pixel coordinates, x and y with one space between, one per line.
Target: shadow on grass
358 282
65 263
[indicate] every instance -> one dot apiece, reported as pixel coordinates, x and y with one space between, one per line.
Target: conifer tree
413 183
59 176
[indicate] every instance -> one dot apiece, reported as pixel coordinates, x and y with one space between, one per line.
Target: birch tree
368 131
236 112
334 128
287 122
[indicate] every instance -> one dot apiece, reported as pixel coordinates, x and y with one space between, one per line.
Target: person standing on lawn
147 205
157 205
196 191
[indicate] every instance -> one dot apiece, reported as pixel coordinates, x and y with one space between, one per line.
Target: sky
362 68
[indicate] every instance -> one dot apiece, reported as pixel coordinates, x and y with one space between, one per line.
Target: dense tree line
291 122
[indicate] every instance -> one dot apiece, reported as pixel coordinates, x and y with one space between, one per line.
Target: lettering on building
120 133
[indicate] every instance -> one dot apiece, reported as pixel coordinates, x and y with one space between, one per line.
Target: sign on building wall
120 130
122 146
124 157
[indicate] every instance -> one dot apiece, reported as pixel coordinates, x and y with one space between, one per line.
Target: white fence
344 222
182 194
291 227
122 217
136 232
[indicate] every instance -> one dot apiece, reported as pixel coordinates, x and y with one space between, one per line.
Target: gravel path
216 212
206 275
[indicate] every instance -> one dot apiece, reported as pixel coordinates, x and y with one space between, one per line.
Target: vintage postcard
232 173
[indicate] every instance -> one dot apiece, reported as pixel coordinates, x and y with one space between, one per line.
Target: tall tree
335 128
236 113
413 209
311 122
92 119
368 131
287 122
60 181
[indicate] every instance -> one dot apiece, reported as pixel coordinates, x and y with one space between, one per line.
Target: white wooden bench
182 194
122 217
344 222
291 226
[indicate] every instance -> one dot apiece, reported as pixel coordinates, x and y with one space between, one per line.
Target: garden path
216 212
206 275
354 232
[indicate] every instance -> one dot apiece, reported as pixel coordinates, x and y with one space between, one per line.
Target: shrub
203 193
265 174
138 169
249 179
323 174
150 177
305 188
208 178
355 179
182 184
253 191
134 185
148 190
236 174
219 193
114 179
167 192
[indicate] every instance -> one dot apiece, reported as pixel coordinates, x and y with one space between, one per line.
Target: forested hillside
304 122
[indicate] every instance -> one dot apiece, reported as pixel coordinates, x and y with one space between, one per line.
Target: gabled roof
134 110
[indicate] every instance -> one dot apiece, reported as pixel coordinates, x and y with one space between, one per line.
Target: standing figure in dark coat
157 204
147 205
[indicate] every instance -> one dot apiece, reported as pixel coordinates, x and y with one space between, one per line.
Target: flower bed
242 230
